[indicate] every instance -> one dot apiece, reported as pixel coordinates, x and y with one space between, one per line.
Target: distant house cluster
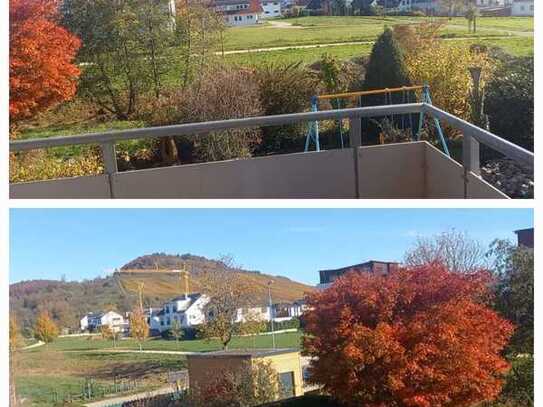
486 7
94 321
250 12
189 312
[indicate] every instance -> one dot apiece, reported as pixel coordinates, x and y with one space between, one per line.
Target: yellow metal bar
368 92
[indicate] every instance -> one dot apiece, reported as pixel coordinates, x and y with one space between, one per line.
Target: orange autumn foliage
420 337
41 69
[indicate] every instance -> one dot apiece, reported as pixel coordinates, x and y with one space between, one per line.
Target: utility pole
271 312
140 294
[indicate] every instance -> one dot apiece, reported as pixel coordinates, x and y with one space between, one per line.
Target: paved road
113 350
119 400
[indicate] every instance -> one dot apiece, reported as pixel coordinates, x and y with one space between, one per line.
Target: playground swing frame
313 132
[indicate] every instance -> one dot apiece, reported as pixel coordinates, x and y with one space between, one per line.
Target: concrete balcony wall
403 170
87 187
445 179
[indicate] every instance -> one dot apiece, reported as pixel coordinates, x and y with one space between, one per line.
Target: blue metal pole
425 91
438 127
313 127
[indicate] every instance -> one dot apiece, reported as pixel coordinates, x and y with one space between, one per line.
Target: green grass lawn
319 30
62 366
517 46
283 340
46 375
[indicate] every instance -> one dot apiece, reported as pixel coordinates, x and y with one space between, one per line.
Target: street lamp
271 312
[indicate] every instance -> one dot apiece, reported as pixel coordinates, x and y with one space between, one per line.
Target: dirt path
339 44
34 345
283 24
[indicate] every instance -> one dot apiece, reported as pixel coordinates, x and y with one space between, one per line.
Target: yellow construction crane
184 276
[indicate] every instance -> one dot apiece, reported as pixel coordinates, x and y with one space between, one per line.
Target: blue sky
86 243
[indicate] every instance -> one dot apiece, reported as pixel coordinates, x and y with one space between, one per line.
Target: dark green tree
514 268
386 67
509 101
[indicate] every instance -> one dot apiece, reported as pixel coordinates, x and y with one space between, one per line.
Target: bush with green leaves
509 101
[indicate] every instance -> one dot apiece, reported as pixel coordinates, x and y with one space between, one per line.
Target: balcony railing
343 173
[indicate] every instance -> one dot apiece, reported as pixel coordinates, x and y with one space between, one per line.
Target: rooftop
253 353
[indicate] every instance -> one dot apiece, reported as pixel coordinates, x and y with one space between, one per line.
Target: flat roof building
525 237
327 277
286 362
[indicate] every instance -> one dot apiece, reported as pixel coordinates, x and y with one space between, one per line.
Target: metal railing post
355 141
470 159
110 163
470 154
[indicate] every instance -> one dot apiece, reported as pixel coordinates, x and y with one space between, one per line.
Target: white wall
522 8
242 19
272 8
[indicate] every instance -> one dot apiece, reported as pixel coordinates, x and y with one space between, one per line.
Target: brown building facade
327 277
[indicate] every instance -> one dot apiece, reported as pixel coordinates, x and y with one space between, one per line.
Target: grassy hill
68 301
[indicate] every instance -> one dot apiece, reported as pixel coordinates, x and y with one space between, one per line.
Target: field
327 30
303 40
63 366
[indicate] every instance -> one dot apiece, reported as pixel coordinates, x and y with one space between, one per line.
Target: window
286 381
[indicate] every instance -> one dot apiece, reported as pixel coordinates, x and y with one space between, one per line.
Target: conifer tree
386 67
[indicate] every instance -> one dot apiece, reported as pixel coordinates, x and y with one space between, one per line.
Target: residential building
239 12
285 311
522 8
270 8
490 3
94 321
286 362
327 277
187 309
525 237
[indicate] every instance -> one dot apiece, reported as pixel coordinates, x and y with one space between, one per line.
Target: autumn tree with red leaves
416 337
41 68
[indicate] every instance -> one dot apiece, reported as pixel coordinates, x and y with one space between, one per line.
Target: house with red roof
239 12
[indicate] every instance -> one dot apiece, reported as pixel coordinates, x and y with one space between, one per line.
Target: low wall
392 171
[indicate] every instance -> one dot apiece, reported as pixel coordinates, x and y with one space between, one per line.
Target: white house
239 12
188 310
489 3
270 8
94 321
522 8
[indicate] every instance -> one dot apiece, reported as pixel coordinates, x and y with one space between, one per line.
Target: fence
143 183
